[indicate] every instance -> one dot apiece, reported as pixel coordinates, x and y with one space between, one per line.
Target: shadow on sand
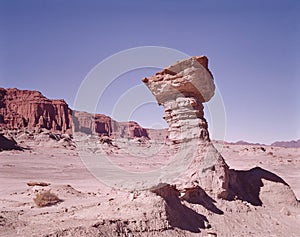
197 195
9 144
246 185
179 215
243 185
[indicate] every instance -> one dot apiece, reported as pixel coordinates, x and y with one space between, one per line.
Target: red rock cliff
30 109
102 125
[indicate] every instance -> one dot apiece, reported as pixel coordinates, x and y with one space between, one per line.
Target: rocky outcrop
158 135
30 109
102 125
92 124
181 89
130 129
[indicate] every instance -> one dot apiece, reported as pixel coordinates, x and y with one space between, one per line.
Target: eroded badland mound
196 193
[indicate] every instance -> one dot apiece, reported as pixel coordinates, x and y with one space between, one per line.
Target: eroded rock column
181 89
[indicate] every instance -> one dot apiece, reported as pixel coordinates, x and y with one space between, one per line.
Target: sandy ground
90 208
285 162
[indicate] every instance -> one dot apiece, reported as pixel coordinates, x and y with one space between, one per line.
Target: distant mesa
102 125
287 144
30 109
241 142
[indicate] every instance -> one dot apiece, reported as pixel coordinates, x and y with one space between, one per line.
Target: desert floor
90 208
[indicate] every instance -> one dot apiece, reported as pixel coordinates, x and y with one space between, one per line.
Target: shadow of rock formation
197 195
8 144
258 185
179 215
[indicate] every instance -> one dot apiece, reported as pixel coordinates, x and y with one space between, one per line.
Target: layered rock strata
181 89
30 109
102 125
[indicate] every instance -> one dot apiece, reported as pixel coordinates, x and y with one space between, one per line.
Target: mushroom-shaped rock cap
187 78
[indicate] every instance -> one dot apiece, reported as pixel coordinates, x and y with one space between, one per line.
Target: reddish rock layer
103 125
30 109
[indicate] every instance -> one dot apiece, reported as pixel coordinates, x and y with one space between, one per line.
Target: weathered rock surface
102 125
181 89
30 109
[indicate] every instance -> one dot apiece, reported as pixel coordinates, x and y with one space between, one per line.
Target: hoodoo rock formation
181 89
30 109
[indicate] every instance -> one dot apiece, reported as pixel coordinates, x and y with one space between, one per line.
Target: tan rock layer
182 88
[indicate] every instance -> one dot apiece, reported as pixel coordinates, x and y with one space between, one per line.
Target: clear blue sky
253 47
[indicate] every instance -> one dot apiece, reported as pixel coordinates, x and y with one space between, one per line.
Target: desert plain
91 208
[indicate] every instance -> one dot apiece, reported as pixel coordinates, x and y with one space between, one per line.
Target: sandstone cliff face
130 129
102 125
30 109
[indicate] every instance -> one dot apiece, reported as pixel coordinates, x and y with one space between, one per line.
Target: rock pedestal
181 89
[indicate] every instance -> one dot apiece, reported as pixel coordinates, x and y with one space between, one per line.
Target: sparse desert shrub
263 149
33 183
46 198
105 139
